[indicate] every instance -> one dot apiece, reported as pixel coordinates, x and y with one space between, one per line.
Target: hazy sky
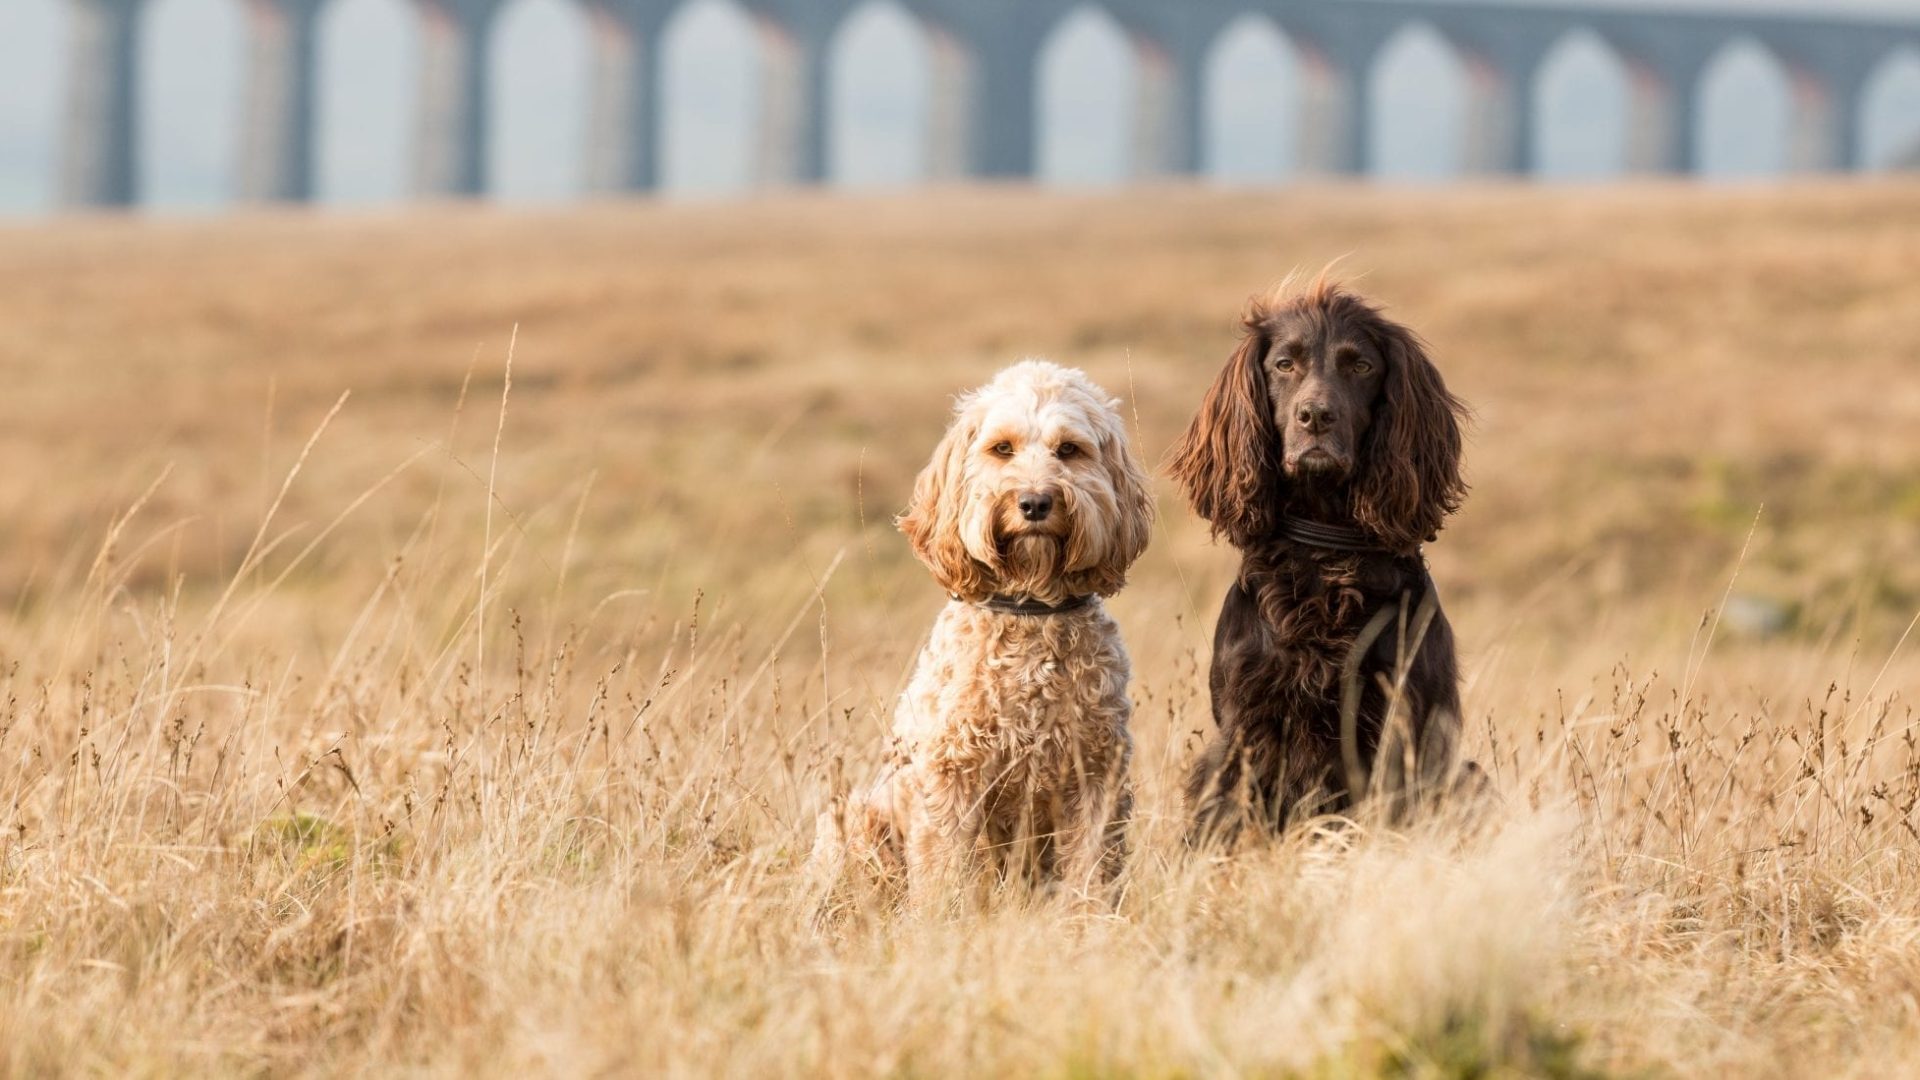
194 56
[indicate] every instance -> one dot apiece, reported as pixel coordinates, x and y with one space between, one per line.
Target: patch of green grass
1468 1047
312 842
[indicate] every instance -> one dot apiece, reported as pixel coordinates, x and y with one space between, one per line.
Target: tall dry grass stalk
438 764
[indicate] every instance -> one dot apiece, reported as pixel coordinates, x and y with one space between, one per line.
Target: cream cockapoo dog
1010 745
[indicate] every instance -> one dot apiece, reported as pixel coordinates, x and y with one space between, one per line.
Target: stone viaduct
984 55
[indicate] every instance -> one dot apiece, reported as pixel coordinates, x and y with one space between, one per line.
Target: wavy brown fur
1289 626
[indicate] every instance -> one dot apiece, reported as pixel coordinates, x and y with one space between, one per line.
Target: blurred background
1724 198
359 102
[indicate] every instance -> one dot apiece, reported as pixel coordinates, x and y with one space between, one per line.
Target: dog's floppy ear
1408 479
1228 459
1131 527
932 520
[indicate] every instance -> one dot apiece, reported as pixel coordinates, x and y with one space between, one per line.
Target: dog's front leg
943 839
1092 844
1218 794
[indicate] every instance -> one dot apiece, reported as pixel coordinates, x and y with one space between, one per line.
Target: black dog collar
1333 537
1002 604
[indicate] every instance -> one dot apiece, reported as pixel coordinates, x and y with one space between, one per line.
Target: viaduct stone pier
984 58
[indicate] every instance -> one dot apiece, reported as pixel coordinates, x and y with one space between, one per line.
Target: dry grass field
363 710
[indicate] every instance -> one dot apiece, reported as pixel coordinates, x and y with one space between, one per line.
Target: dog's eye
1361 367
1283 363
1068 450
1003 448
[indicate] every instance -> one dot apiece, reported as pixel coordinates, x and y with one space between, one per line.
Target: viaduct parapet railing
985 56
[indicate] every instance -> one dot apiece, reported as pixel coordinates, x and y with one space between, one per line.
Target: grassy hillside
364 711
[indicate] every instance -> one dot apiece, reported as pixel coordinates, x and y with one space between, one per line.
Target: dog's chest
1033 691
1302 618
1025 689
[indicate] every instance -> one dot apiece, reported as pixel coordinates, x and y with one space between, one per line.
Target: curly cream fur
1010 744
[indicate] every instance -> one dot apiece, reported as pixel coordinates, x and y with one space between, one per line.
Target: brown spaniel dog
1327 451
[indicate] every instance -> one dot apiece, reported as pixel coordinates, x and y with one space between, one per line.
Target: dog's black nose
1315 416
1035 505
